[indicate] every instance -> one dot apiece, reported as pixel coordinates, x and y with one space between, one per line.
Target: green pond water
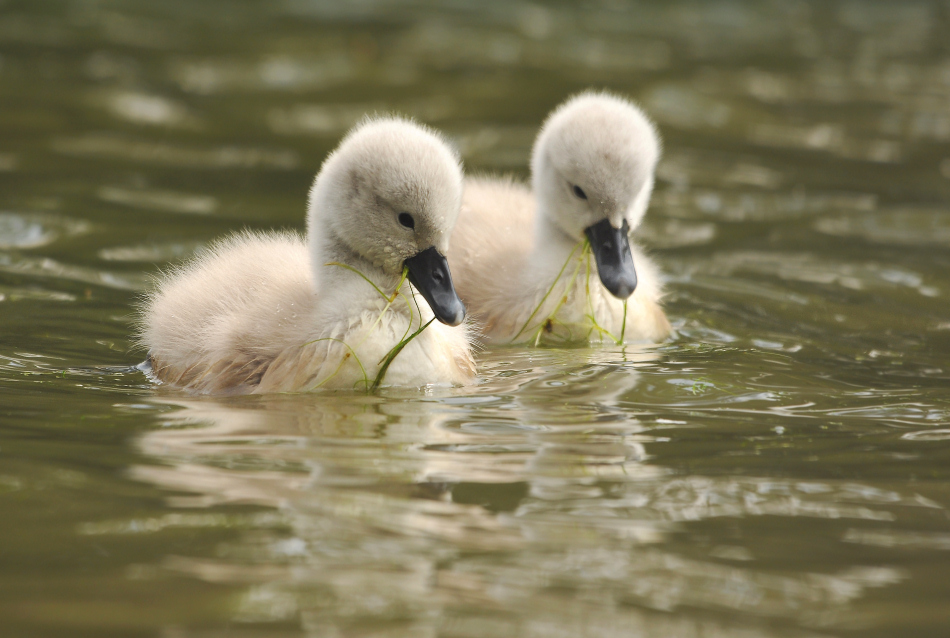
781 468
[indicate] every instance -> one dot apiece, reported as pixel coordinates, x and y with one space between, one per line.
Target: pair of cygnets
273 312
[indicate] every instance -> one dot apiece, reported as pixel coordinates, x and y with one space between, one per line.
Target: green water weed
592 316
548 323
387 360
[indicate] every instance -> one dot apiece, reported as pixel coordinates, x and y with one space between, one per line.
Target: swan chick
555 263
275 312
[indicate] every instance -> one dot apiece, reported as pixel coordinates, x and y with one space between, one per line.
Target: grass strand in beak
388 359
567 291
548 293
368 280
389 302
595 325
548 323
623 326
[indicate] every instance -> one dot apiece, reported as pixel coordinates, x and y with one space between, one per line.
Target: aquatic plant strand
567 291
551 318
387 360
342 361
595 325
389 302
547 294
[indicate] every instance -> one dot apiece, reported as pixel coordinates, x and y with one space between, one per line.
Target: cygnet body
275 312
519 256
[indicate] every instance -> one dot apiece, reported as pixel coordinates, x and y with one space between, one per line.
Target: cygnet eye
406 220
579 192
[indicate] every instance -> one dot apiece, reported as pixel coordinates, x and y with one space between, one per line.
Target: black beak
429 273
611 249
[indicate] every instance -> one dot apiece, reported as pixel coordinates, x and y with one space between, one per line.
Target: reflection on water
778 469
492 511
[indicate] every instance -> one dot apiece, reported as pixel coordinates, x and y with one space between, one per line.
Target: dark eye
406 220
580 192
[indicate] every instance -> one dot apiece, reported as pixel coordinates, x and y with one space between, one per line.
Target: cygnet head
592 166
390 193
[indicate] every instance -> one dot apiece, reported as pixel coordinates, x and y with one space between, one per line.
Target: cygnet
556 265
275 312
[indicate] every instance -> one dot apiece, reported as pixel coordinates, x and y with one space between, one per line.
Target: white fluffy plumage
511 242
264 312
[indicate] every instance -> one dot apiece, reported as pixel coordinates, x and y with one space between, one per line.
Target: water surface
779 469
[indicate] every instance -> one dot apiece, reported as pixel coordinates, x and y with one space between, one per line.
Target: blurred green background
778 469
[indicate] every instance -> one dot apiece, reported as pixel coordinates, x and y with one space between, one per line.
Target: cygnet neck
328 248
551 242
